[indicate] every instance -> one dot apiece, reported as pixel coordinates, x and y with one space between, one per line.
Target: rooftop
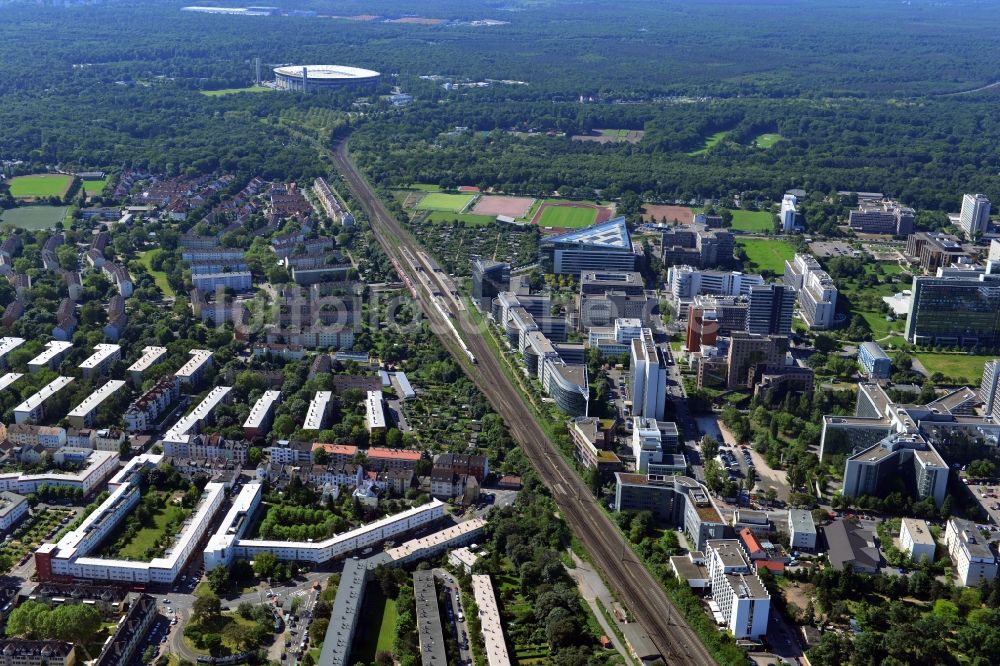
612 234
44 394
96 398
52 350
150 356
101 353
919 531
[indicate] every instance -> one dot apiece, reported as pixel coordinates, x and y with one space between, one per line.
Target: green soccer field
39 185
34 218
768 254
753 220
92 187
454 203
567 217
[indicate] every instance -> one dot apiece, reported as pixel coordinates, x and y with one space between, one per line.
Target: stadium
322 77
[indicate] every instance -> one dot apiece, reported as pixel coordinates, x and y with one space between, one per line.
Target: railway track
634 584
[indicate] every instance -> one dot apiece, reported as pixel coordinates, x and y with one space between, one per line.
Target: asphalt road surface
631 580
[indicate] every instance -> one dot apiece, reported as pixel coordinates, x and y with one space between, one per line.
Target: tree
254 456
751 479
264 565
240 635
982 469
28 620
76 623
709 447
212 643
219 580
321 456
284 425
207 607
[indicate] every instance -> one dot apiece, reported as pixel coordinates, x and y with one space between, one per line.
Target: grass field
147 536
468 218
146 259
423 187
567 217
39 185
233 91
965 368
753 220
710 143
34 218
767 140
768 254
453 203
92 187
378 614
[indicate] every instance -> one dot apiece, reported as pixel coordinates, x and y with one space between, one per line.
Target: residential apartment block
743 600
970 552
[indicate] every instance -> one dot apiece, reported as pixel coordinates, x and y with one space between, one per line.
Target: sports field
92 187
454 203
234 91
753 220
767 254
34 218
39 185
566 216
511 206
469 219
657 213
767 140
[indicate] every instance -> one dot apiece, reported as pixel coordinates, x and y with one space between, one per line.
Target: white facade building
83 415
54 351
33 409
743 601
649 378
787 214
801 529
974 219
916 539
970 552
319 409
646 444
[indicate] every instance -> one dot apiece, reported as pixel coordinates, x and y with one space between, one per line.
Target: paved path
593 588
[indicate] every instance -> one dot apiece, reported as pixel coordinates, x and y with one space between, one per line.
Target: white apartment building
801 529
150 356
99 362
100 465
974 219
787 214
191 372
33 409
970 553
743 601
237 281
319 409
817 294
54 351
7 345
916 539
646 444
84 414
490 621
649 378
374 412
13 508
258 422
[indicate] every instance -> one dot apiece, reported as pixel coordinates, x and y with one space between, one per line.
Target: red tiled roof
750 540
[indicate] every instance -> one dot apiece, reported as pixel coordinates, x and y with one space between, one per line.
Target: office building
489 278
697 245
599 282
746 351
875 362
882 217
686 282
742 598
787 214
593 441
916 539
614 340
649 377
817 295
955 308
676 500
601 247
989 389
910 457
646 446
932 250
974 219
770 309
801 530
970 553
601 310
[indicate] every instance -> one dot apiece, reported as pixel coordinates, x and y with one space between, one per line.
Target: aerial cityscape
522 333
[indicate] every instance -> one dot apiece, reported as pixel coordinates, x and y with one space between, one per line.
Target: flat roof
374 413
10 501
261 409
9 379
415 546
747 586
101 353
7 345
431 637
198 358
802 521
920 532
96 398
150 356
728 550
52 350
489 618
317 410
178 432
44 394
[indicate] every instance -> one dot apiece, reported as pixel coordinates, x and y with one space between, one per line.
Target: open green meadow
378 615
469 219
233 91
160 277
454 203
769 254
33 218
710 143
767 140
962 368
92 187
39 185
148 535
423 187
753 220
567 217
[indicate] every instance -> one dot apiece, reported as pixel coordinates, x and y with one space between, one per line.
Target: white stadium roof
327 72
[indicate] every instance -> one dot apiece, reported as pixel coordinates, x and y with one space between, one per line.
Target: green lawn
878 324
423 187
34 218
767 140
753 220
147 536
92 187
710 143
965 368
454 203
469 219
39 185
233 91
768 254
566 217
376 612
146 259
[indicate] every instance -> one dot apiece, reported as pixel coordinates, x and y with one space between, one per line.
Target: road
451 623
630 579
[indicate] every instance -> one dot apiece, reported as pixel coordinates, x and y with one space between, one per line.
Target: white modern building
649 377
258 422
801 530
743 601
13 508
787 214
970 552
374 412
99 362
33 409
319 409
974 220
916 539
817 294
646 444
151 355
99 466
8 379
238 281
83 415
54 351
192 371
686 282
